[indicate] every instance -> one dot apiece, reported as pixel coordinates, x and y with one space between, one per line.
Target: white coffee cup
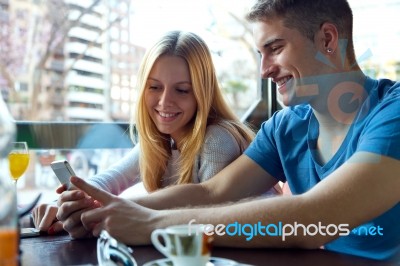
183 244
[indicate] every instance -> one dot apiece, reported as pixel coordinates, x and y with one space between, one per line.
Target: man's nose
267 68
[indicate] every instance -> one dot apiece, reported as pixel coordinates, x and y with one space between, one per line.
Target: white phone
63 171
29 232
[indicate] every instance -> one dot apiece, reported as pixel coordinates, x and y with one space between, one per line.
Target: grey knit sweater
220 149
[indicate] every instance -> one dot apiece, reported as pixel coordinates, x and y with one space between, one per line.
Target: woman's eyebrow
179 82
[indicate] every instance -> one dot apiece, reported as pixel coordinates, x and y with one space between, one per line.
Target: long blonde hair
155 147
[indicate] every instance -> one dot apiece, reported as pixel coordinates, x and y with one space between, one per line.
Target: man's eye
275 48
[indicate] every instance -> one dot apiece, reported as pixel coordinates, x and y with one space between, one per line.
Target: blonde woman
186 131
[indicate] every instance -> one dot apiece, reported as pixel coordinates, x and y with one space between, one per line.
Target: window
90 72
107 42
376 37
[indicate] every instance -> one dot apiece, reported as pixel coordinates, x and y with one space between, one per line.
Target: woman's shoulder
220 142
220 135
216 130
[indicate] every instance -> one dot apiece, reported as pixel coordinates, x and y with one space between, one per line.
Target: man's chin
287 101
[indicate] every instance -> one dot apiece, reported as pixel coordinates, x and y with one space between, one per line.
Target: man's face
288 58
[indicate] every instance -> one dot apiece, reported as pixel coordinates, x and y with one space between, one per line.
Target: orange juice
18 164
8 247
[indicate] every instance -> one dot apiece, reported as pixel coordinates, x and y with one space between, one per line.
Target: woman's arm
119 176
115 179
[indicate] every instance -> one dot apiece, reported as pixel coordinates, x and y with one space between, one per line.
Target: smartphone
63 171
29 232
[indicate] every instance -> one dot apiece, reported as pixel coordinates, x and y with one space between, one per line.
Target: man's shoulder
296 113
384 82
294 117
387 88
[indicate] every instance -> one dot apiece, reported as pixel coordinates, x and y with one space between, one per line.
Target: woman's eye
182 91
153 87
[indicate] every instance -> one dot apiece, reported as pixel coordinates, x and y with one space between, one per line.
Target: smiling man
336 144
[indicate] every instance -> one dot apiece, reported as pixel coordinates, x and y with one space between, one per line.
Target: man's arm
243 178
358 191
133 223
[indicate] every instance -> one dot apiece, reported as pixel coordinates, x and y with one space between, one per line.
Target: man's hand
124 220
71 204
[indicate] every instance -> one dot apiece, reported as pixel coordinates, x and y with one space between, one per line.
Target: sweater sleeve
220 149
121 175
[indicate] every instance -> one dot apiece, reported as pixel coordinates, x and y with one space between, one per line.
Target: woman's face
169 96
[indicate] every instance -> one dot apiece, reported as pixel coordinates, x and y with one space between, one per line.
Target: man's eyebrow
271 42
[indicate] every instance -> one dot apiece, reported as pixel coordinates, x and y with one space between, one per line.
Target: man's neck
330 138
338 105
336 111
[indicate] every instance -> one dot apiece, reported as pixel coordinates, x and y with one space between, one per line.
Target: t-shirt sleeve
382 133
263 150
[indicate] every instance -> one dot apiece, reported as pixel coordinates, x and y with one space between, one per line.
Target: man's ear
328 38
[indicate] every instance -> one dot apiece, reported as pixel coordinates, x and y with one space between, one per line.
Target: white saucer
214 261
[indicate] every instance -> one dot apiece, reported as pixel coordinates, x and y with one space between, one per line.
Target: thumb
98 194
61 188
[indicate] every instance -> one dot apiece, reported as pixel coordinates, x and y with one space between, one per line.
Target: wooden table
62 250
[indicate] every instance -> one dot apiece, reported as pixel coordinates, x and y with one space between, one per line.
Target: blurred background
68 70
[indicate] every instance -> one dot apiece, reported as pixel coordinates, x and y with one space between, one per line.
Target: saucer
214 261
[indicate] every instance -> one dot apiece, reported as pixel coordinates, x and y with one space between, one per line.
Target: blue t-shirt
285 147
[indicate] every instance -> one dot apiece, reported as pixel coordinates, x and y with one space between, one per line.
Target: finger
55 228
73 221
80 232
38 213
97 228
68 208
74 226
70 196
96 193
61 188
91 218
48 218
34 216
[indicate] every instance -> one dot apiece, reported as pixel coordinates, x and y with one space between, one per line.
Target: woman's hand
44 219
44 216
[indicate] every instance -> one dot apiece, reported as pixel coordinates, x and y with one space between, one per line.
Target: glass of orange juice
8 223
18 159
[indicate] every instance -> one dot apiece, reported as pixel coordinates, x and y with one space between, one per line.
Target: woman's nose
166 98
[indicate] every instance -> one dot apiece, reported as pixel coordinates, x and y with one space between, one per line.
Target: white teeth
283 81
166 114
